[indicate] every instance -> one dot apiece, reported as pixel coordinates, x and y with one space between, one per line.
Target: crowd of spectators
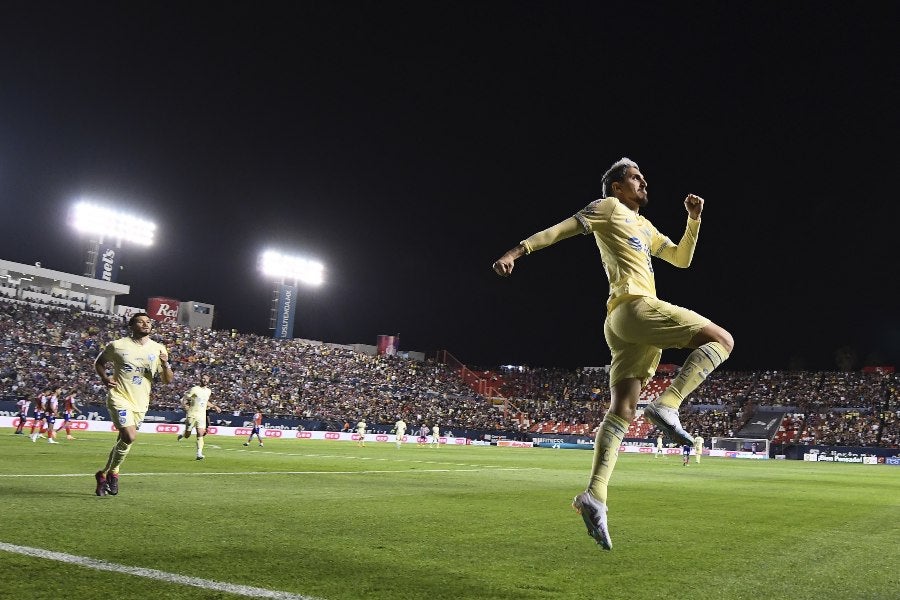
44 346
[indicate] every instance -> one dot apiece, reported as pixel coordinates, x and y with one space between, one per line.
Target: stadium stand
44 343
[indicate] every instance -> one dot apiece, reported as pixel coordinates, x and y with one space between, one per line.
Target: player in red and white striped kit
70 407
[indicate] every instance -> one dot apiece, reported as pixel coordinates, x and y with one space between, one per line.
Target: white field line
176 473
102 565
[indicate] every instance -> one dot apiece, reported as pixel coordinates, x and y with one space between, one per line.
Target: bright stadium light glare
98 220
282 266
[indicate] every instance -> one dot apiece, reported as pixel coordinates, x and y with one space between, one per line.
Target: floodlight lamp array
282 266
91 218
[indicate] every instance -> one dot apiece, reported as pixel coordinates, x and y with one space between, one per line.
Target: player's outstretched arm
503 266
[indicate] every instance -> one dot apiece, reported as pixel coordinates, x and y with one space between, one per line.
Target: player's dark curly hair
616 173
135 316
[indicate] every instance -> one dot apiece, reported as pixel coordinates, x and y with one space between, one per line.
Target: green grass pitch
330 520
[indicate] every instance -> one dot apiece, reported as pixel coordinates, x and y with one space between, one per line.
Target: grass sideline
330 520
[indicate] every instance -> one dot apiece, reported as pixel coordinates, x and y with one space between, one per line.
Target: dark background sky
407 145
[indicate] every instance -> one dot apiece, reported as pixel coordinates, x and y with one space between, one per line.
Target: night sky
407 145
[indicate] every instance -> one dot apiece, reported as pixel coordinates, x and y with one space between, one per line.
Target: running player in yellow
435 436
195 402
638 325
361 431
399 431
659 447
126 367
698 447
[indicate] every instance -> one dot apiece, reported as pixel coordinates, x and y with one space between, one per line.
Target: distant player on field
70 407
423 435
38 422
399 431
195 402
22 405
435 436
361 432
659 447
698 447
686 454
257 426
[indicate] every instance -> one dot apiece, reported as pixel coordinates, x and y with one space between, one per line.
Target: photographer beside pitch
638 325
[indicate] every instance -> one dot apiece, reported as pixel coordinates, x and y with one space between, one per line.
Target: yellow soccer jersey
627 242
361 428
400 427
198 397
134 366
698 444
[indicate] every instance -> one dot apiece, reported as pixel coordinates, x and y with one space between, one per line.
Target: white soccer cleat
667 420
593 512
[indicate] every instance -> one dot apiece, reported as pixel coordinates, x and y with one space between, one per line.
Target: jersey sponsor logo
167 428
273 433
304 434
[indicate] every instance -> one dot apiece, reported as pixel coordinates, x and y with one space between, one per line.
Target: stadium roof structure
19 274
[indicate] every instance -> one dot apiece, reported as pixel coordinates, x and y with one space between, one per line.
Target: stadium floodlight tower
288 272
107 229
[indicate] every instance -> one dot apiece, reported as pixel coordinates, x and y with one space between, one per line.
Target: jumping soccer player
638 325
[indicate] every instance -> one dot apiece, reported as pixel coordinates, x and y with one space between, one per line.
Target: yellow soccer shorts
195 422
637 331
123 414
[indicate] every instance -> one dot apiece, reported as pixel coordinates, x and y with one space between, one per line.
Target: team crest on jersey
123 413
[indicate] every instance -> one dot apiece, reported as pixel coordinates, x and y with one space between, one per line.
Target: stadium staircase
485 383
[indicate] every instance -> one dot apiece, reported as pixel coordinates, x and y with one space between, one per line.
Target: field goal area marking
102 565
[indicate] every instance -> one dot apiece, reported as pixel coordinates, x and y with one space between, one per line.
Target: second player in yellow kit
196 402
